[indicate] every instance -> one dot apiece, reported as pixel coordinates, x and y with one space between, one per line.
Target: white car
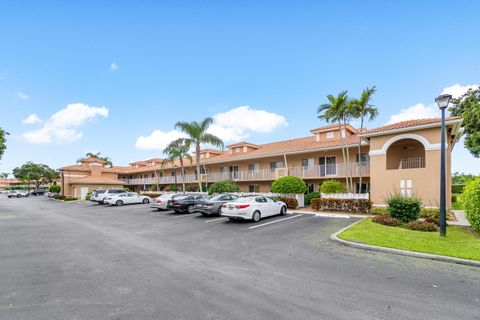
100 194
18 193
160 203
126 198
253 208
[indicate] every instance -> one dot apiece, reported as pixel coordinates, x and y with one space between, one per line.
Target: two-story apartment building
402 157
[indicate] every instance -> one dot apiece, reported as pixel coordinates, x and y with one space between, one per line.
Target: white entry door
83 193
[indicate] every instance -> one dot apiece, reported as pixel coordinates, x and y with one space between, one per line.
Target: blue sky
121 71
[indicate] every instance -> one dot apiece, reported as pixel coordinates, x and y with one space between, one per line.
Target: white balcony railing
319 171
412 163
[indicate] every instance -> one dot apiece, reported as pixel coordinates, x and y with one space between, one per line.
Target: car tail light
158 201
242 206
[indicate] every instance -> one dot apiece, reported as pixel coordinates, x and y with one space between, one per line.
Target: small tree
471 201
289 184
224 186
54 189
332 186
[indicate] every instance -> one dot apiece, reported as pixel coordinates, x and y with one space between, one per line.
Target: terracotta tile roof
92 159
407 124
333 127
243 143
96 180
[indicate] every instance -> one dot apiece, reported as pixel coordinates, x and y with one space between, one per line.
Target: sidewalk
461 220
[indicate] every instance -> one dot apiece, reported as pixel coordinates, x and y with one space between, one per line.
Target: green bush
171 188
154 187
291 203
362 206
454 197
387 220
69 199
126 189
405 209
309 196
458 188
289 184
429 213
332 186
54 188
60 197
379 211
421 226
471 202
88 196
224 186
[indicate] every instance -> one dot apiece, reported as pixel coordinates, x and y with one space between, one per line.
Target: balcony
412 163
314 172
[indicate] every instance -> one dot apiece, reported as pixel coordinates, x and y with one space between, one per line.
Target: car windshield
100 191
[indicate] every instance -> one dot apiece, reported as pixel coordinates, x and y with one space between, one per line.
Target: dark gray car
214 204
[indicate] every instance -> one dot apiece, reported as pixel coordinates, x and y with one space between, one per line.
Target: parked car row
23 193
117 197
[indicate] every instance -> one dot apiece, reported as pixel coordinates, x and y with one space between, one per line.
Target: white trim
426 144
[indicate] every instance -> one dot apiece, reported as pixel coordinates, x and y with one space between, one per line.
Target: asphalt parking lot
86 261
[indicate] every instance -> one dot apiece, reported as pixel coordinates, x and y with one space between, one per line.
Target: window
276 165
254 167
237 150
330 135
173 173
254 188
365 187
362 158
308 163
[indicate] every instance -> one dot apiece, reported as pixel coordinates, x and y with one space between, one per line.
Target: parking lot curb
421 255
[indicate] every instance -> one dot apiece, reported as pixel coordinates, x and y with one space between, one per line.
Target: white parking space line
183 215
271 222
217 219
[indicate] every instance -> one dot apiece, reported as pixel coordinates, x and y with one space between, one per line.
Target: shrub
421 226
60 197
291 203
126 189
454 197
379 211
429 213
289 184
54 189
154 187
348 205
151 195
309 196
387 220
434 220
172 188
471 202
332 186
224 186
69 199
458 188
404 208
88 196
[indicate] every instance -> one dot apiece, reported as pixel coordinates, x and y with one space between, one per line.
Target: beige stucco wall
425 181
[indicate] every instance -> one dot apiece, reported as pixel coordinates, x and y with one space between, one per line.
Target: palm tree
177 150
361 108
4 175
337 111
108 161
196 136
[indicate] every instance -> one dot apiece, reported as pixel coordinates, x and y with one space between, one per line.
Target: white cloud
62 127
157 140
114 66
457 90
238 123
418 111
32 119
21 95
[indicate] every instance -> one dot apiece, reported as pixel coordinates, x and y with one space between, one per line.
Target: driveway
86 261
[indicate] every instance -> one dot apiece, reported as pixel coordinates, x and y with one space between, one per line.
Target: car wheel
256 216
283 211
190 209
9 196
219 211
231 219
204 214
119 203
18 196
145 201
100 202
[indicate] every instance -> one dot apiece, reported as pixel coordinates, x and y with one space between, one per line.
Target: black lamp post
442 102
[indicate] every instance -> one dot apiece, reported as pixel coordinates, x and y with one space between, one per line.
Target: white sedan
126 198
253 208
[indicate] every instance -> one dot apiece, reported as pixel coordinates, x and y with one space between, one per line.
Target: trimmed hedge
379 211
458 188
70 199
403 208
387 220
291 203
309 196
224 186
289 184
421 226
471 202
362 206
332 186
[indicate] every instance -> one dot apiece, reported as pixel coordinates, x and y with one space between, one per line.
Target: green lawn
460 242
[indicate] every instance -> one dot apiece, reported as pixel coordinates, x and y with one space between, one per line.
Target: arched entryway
408 153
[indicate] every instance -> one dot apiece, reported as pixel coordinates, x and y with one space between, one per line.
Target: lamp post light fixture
442 102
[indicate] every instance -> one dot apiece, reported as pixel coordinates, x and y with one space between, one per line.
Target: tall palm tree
196 136
177 150
4 175
363 109
337 111
108 161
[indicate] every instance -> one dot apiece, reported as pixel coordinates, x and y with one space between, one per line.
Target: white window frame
330 135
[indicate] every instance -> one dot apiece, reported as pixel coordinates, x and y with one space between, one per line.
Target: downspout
286 163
